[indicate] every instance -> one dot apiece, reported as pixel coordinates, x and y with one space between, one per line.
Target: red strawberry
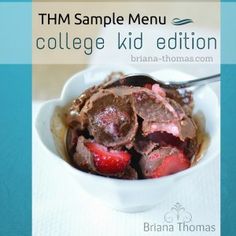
172 164
164 161
148 86
156 89
108 161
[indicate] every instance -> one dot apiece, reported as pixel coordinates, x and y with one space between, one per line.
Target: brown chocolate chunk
83 157
130 173
150 162
112 119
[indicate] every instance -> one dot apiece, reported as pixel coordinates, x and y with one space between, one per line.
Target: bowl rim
76 171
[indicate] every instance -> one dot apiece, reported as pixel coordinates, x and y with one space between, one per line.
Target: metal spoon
142 79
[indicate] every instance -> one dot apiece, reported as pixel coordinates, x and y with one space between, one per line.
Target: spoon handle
196 82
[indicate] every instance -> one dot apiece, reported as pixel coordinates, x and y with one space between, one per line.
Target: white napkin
61 208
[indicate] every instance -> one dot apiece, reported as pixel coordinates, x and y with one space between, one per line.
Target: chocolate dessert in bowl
122 139
131 132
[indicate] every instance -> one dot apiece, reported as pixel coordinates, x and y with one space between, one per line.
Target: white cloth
61 208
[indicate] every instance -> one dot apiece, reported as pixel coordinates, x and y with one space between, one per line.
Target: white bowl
128 195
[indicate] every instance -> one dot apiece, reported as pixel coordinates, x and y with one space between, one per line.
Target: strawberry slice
172 164
108 161
164 161
158 90
148 86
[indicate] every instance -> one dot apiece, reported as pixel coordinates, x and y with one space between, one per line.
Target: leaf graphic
169 217
177 213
